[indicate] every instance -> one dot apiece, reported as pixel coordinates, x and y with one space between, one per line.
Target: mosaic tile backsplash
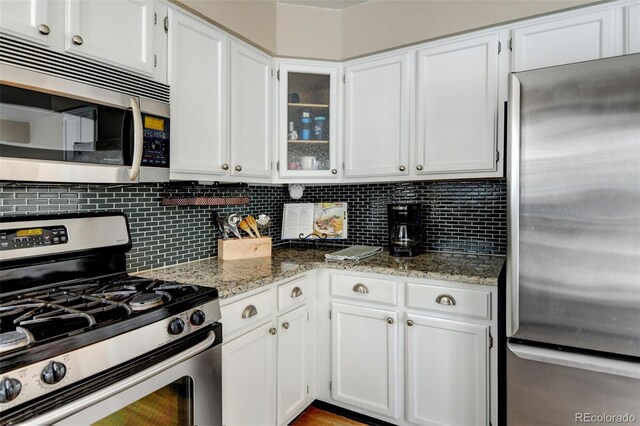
458 216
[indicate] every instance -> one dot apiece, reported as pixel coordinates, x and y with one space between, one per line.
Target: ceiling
325 4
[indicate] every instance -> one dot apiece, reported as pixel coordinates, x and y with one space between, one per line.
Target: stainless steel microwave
57 130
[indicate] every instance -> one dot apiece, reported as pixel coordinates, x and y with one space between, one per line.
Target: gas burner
144 301
13 340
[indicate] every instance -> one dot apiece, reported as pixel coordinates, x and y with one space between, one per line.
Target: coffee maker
405 231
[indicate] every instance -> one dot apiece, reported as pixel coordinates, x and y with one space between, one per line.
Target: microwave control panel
155 151
12 239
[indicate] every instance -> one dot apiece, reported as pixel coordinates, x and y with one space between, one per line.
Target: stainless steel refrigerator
573 264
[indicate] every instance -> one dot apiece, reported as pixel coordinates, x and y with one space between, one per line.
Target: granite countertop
233 277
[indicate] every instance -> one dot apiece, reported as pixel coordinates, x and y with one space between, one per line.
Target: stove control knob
54 373
197 318
176 326
9 389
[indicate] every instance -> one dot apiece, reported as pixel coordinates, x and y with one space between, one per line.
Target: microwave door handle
137 139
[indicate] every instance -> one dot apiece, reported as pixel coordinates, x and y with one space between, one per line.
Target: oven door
184 389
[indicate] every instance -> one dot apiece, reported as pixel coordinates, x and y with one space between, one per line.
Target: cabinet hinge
343 166
329 314
344 78
307 389
497 156
155 18
271 72
490 341
499 47
155 60
166 24
278 166
271 165
278 75
511 44
330 385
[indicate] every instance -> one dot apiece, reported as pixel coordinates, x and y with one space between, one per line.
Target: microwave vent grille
37 58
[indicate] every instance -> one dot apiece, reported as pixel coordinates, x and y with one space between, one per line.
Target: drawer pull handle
285 325
296 292
446 299
389 320
273 331
249 312
409 323
360 288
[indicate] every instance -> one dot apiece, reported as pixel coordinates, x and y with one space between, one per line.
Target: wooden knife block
246 248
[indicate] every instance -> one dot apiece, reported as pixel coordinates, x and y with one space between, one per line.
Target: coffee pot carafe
405 231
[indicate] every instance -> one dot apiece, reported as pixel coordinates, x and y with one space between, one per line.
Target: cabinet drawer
294 292
471 303
247 312
365 289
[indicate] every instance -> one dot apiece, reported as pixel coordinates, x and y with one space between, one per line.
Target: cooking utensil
251 221
263 221
233 220
232 229
219 223
246 228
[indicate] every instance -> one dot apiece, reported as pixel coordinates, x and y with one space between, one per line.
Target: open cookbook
320 219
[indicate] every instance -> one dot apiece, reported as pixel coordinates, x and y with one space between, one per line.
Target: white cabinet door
198 71
457 106
377 116
28 19
632 29
250 112
119 32
447 372
573 39
364 357
248 378
293 360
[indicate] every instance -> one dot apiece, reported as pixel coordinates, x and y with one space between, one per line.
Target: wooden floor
313 416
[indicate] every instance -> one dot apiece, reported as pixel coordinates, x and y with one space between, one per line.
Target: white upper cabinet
632 29
377 116
27 19
250 100
447 372
198 61
457 106
308 99
576 38
119 32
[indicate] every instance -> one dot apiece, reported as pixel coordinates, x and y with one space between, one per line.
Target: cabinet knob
402 168
360 288
296 292
225 166
273 331
77 40
446 299
44 29
419 167
409 323
334 171
238 168
389 320
249 311
285 325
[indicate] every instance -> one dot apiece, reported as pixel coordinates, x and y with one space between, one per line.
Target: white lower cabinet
249 378
364 357
293 362
446 372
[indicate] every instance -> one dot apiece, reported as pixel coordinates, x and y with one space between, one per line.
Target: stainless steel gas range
82 342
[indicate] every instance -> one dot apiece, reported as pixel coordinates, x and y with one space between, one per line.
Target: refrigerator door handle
576 360
513 203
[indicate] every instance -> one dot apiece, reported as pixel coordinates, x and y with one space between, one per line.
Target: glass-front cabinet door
308 124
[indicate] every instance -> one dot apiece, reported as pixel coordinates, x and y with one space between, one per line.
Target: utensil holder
246 248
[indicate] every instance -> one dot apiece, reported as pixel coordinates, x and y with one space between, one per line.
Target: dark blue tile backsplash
458 216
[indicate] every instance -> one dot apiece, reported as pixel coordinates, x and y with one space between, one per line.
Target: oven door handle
80 404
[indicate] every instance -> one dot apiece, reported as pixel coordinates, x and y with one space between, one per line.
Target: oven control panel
155 151
12 239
